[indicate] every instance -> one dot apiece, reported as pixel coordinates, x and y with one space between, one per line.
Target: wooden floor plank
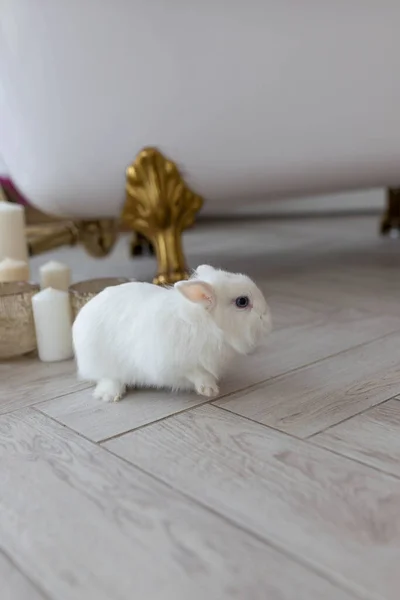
300 345
88 526
318 396
26 381
287 311
372 437
14 585
338 515
373 289
98 420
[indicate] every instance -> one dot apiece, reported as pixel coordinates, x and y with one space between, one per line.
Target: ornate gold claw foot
391 217
139 245
159 206
97 237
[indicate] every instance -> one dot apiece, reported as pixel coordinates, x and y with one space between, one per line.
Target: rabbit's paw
207 389
109 390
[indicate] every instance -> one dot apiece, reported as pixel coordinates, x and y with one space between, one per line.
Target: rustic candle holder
17 330
80 293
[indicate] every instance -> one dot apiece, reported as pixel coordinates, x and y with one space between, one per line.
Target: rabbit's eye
242 302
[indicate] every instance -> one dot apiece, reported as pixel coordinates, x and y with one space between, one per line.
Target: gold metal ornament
97 237
140 245
46 237
391 218
159 206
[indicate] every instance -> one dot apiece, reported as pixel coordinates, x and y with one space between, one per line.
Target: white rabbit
138 334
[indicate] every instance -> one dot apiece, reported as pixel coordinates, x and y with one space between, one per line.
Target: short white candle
12 232
53 325
55 275
13 270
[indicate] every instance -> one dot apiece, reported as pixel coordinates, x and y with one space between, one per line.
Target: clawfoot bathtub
248 99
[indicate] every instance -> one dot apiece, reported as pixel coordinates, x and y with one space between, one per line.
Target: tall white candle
53 325
12 232
14 270
55 275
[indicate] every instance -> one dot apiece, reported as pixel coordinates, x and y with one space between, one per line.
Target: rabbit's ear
197 291
204 271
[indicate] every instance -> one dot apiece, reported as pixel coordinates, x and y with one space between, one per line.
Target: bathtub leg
159 206
140 245
391 218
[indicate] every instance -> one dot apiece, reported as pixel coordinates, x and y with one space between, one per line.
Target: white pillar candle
53 325
55 275
14 270
12 232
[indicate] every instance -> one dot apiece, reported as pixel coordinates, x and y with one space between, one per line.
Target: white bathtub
252 99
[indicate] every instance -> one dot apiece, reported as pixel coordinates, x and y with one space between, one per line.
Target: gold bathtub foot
391 218
97 237
140 245
159 206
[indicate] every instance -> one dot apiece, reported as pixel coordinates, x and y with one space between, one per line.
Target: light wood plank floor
285 487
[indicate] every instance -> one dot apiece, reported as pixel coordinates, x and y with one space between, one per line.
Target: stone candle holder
80 293
17 330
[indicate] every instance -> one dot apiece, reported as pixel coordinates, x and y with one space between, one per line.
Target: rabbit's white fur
138 334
